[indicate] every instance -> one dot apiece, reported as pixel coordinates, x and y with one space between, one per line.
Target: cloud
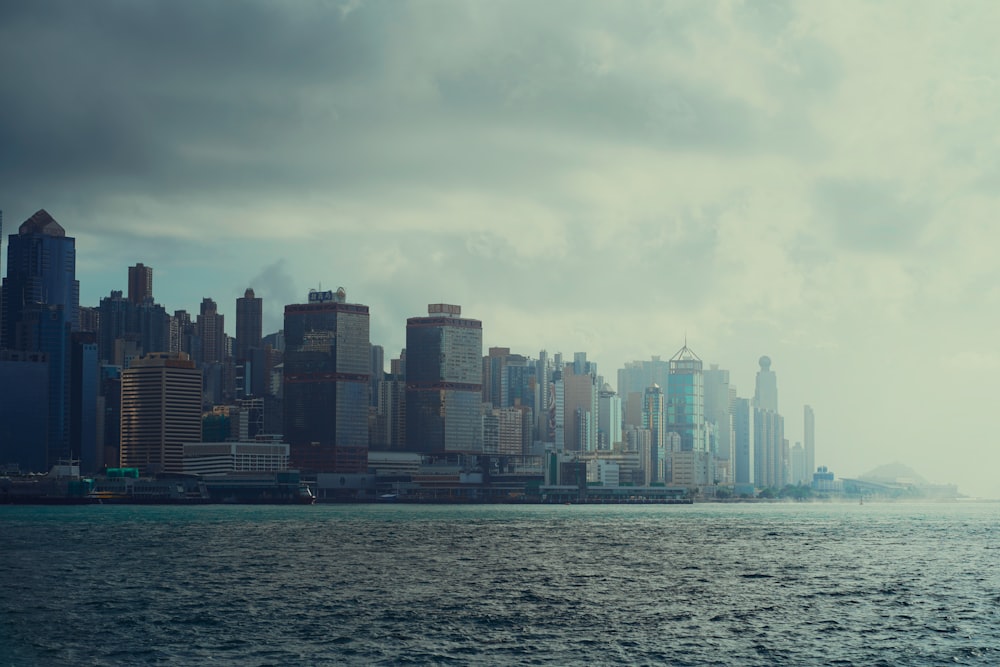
865 215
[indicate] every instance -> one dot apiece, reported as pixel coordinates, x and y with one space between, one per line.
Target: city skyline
767 179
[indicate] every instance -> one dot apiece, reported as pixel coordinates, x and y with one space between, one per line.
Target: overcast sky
814 181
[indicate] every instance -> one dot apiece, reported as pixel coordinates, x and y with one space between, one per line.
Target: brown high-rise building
140 283
161 410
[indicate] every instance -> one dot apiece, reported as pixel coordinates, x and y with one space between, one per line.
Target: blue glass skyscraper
41 301
41 270
686 400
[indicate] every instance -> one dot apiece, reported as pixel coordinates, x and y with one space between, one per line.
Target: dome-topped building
766 393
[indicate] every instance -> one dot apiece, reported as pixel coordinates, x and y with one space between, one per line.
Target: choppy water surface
683 585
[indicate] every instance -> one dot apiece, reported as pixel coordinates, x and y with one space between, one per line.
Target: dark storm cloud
114 89
177 98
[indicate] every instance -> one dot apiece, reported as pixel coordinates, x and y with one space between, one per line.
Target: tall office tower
188 339
797 465
390 418
501 431
41 270
493 369
110 419
686 400
583 367
519 391
718 410
636 376
90 319
743 430
809 438
543 397
161 410
766 394
581 410
517 385
557 408
444 381
510 431
84 393
41 299
151 326
212 331
249 324
377 371
1 275
654 420
632 408
326 378
140 283
609 419
116 314
397 366
769 449
24 410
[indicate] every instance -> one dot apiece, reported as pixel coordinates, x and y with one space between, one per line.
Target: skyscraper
797 465
161 410
327 368
609 420
718 410
377 357
809 438
580 407
494 364
636 376
41 269
743 432
1 275
249 324
444 381
686 400
769 449
211 327
140 283
41 299
24 410
654 421
766 393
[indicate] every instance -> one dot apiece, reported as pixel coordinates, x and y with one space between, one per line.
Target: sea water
708 584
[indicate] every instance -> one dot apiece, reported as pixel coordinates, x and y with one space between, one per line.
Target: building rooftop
41 223
685 354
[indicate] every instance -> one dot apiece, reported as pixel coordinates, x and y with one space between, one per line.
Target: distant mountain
893 473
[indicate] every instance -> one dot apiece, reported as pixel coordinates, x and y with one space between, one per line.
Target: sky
815 181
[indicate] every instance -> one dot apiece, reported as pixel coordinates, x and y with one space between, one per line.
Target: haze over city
810 181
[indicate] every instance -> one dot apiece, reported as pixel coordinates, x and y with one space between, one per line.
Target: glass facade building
327 370
444 382
686 401
41 304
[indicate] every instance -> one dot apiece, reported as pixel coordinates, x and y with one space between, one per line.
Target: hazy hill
892 473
